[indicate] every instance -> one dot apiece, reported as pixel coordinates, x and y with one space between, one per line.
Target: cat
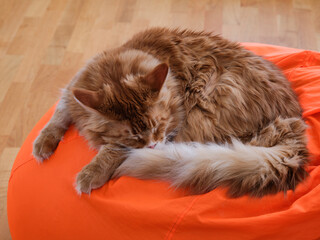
187 107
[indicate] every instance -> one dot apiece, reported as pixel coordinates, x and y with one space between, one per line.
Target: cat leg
100 169
50 136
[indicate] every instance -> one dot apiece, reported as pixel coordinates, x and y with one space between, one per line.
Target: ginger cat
186 107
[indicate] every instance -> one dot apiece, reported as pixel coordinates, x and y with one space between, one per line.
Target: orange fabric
42 202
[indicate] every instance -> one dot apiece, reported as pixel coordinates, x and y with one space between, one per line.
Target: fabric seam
179 219
14 170
33 159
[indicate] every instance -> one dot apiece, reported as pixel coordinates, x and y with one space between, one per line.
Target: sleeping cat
186 107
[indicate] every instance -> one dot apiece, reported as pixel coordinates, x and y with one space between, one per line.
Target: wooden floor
44 42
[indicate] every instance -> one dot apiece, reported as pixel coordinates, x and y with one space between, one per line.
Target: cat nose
152 146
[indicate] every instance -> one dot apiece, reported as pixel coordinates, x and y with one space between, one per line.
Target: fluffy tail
243 168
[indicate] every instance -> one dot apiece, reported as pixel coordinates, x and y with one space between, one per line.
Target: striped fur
169 88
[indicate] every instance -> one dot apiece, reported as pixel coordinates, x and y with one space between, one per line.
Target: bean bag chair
43 204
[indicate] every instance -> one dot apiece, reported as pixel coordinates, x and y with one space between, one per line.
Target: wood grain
44 42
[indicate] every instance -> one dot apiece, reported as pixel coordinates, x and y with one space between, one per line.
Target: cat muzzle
152 146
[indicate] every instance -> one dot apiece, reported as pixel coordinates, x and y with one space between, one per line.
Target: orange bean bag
43 204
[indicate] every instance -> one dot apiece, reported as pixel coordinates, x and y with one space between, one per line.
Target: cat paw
91 177
44 146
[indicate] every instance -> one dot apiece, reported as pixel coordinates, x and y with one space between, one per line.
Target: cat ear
156 78
87 98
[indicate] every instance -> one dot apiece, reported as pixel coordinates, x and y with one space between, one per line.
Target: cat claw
44 146
83 184
89 179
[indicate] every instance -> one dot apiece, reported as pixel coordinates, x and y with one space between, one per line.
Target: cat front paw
91 177
44 146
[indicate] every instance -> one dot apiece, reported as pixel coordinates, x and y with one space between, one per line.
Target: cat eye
137 137
152 123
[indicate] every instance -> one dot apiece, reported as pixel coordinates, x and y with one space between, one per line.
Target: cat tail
242 168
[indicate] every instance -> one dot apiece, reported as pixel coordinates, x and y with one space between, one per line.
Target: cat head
130 106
